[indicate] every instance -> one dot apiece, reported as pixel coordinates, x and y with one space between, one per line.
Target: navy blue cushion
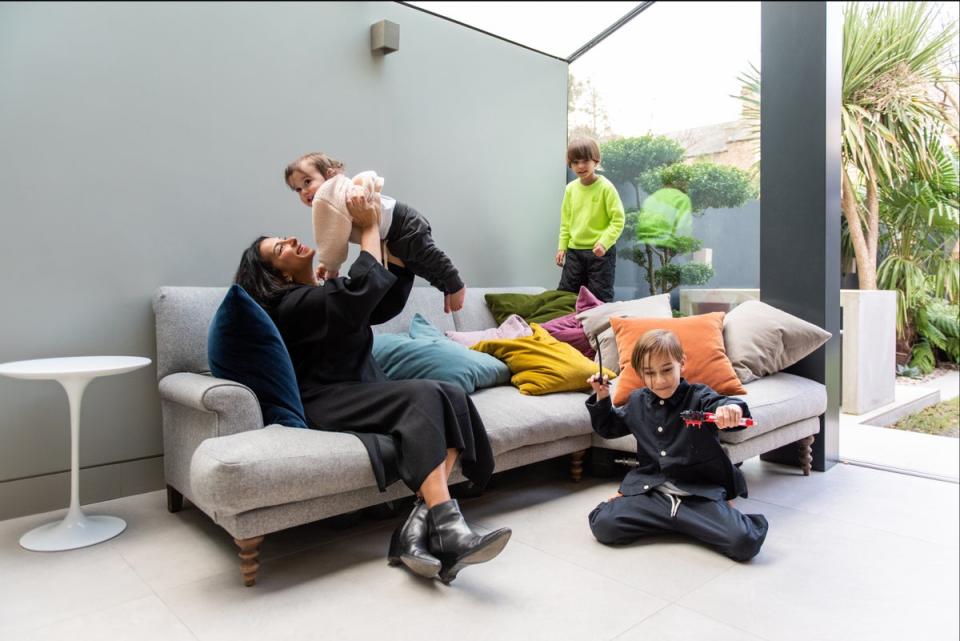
244 345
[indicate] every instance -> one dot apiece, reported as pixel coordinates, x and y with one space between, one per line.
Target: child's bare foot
454 302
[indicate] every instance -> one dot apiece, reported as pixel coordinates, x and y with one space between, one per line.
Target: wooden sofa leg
806 454
174 500
576 465
249 552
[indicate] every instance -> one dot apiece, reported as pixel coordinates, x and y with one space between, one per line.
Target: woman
412 430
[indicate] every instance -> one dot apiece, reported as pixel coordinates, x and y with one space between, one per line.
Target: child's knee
746 543
603 525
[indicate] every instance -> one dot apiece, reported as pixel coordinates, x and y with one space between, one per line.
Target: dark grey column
800 189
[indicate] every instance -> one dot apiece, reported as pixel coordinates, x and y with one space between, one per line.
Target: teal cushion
425 352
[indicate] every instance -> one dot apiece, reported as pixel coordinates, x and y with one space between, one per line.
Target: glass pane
673 73
557 28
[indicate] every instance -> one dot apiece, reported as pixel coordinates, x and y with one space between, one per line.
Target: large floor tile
41 588
820 578
552 517
146 619
345 591
172 549
917 507
675 623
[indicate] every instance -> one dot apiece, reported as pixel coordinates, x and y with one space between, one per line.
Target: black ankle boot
408 545
455 544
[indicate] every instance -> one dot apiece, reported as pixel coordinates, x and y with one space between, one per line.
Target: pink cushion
513 327
569 330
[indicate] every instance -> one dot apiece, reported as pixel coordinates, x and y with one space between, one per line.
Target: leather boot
408 545
455 544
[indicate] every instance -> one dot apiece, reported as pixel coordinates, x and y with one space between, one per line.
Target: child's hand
728 416
454 302
600 387
598 250
560 256
615 496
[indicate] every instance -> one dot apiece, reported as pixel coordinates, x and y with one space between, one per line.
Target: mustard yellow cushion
541 364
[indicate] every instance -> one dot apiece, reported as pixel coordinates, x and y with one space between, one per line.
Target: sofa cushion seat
778 400
274 466
516 420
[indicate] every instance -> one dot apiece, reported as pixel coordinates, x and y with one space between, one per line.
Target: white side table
76 530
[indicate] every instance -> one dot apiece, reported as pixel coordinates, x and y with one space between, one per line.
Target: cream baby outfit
332 222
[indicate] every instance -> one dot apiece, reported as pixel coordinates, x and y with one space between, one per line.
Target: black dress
406 426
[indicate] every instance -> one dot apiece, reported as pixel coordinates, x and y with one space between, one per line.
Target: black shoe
456 545
408 545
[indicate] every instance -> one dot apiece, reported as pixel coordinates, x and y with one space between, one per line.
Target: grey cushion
515 420
596 320
276 465
761 339
779 400
426 301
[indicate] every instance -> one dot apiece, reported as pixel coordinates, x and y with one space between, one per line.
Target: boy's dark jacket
690 457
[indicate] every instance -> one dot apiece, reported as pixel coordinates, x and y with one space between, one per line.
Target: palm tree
892 56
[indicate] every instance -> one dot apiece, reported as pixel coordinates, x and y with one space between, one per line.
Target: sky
673 67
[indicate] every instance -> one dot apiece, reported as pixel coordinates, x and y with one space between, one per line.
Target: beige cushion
608 350
597 320
761 339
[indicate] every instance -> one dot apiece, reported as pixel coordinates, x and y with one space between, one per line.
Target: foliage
908 371
920 229
750 112
942 419
707 184
663 225
892 55
586 112
626 159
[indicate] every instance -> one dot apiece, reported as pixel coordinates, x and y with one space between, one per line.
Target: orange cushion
702 340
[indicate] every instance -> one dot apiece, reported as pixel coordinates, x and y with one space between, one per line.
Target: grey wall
144 146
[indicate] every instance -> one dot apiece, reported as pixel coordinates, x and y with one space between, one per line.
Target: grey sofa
253 479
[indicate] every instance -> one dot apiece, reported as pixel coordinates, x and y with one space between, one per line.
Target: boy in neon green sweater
591 220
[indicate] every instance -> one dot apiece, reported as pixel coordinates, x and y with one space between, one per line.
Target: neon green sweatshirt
590 214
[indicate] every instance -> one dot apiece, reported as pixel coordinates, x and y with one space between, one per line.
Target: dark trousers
581 267
626 519
410 239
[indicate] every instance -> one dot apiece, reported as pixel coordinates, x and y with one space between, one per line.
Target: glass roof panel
556 28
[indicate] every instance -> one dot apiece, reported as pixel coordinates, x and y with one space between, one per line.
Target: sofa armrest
235 405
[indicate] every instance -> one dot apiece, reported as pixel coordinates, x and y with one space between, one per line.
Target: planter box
869 349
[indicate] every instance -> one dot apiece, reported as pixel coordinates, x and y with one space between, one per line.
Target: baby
319 182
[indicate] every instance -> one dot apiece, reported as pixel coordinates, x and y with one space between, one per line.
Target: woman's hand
365 212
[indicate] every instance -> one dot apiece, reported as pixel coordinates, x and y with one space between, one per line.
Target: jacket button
646 487
661 402
660 429
663 453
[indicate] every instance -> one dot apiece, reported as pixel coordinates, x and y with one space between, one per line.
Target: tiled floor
911 452
854 553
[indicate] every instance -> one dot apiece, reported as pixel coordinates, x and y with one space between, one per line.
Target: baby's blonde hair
655 341
322 162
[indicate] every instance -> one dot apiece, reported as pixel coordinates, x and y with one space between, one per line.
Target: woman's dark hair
260 279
